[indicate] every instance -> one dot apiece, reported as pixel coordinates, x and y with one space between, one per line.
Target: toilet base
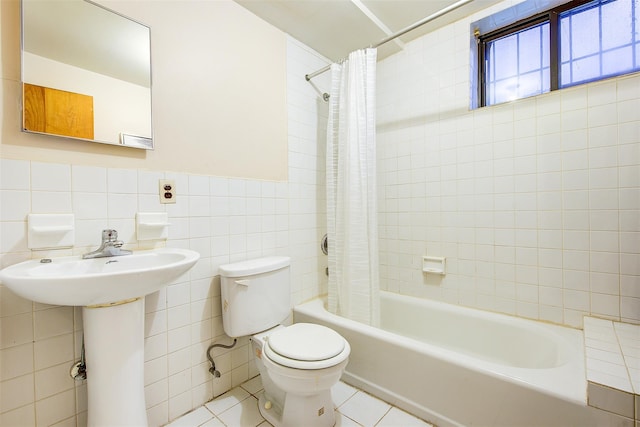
310 411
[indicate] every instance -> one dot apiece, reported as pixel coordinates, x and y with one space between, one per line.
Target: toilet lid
307 342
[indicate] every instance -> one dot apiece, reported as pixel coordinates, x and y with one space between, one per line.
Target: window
518 65
578 42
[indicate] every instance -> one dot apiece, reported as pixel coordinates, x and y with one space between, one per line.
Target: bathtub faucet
110 246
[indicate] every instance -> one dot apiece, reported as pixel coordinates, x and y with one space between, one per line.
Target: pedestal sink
111 291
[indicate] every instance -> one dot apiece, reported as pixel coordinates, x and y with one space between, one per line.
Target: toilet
298 364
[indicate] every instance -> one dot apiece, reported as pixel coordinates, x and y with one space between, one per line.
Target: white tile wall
535 203
224 219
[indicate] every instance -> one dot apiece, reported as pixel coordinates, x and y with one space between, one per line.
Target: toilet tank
256 295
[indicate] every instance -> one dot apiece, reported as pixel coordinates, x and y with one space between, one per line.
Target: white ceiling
334 28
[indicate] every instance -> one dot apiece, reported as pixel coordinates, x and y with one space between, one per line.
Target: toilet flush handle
243 282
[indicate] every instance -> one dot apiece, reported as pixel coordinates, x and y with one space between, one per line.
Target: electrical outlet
167 191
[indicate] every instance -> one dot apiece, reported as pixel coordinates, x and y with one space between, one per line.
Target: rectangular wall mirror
86 73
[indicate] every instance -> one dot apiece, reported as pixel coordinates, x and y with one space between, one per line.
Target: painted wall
535 203
225 84
217 109
224 219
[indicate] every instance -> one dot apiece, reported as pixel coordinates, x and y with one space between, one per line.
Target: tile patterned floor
239 408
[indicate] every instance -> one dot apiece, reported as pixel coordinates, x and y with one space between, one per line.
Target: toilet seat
306 346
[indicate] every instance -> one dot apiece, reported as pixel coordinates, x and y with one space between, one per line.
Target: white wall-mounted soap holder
50 231
434 265
152 226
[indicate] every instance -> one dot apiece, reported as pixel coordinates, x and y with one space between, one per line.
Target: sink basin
113 315
85 282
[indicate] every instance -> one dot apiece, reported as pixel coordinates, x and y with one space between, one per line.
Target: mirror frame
124 138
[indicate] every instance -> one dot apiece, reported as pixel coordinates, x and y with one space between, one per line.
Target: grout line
336 409
385 414
624 359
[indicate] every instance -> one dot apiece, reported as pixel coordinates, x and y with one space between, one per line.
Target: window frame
550 16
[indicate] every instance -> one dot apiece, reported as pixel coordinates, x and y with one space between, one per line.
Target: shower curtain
351 189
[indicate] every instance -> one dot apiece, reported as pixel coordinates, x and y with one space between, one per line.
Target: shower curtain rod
402 32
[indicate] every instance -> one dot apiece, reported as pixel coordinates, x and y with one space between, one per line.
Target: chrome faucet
110 246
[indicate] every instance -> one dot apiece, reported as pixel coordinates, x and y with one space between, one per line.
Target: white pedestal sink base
114 335
114 350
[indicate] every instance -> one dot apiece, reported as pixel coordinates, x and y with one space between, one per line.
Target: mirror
86 73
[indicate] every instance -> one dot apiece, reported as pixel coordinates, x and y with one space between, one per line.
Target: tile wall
224 219
535 203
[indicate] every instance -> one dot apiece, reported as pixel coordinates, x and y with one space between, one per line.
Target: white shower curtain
351 189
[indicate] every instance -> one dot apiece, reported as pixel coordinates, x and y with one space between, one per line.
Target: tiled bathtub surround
613 366
534 203
613 354
224 219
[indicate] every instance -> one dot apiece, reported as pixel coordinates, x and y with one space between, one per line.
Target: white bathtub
455 366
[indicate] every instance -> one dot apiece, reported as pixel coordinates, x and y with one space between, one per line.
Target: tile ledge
611 400
600 378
